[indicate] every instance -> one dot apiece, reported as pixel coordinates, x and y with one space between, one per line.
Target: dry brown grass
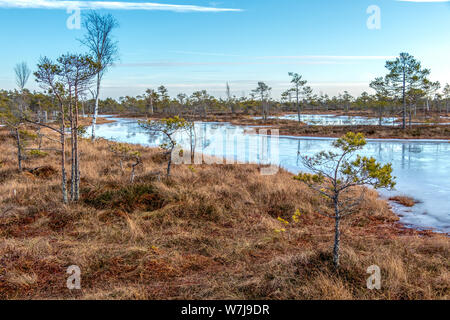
87 121
208 233
404 201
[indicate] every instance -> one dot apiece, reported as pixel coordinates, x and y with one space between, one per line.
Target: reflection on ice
422 168
334 120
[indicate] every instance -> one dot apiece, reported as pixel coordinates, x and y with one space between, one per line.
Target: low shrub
128 198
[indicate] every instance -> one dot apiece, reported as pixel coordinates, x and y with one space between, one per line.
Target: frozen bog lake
422 167
334 120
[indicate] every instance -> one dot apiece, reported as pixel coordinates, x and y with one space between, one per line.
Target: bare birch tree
22 73
230 101
98 39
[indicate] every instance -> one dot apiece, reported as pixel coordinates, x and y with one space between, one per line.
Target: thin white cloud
331 57
197 53
111 5
305 57
221 63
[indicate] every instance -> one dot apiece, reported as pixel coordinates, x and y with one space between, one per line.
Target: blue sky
202 46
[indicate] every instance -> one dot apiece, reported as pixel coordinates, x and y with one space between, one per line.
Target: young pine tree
335 174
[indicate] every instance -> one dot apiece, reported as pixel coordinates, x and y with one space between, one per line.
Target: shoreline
290 128
293 129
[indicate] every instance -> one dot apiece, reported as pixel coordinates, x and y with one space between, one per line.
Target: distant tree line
425 102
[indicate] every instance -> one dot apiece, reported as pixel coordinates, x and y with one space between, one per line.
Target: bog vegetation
208 232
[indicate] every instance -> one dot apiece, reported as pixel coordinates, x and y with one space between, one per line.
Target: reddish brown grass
404 201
